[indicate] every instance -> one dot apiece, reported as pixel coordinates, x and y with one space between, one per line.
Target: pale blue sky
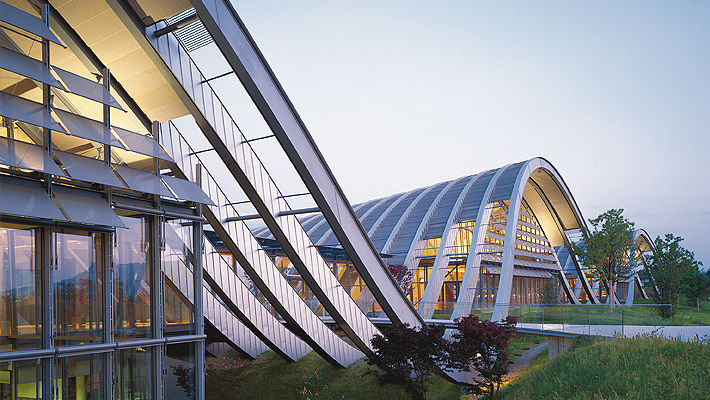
400 95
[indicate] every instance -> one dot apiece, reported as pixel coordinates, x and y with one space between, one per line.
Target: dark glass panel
21 380
134 368
180 362
79 378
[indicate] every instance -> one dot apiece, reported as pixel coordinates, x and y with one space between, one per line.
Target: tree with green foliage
606 249
697 286
670 269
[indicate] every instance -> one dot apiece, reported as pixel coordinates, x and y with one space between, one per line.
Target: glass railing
579 319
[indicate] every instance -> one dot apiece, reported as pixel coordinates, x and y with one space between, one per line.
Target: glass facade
21 285
132 280
80 377
21 380
78 287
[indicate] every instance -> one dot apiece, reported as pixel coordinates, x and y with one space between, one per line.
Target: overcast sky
399 95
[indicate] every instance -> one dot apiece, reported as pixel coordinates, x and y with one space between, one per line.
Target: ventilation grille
193 36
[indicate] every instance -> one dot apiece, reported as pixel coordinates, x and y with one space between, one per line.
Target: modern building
108 284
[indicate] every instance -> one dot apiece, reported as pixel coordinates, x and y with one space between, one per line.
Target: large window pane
21 380
135 374
20 282
178 284
180 382
79 378
132 279
78 287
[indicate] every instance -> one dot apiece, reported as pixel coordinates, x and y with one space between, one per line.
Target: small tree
606 249
669 268
411 355
482 346
550 292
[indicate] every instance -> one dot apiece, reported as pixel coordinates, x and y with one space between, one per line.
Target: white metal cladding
232 38
229 325
441 262
240 159
251 257
360 210
467 291
240 300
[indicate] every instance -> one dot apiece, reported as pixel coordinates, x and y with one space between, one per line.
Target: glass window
178 283
180 364
79 378
134 368
21 380
20 282
78 288
132 280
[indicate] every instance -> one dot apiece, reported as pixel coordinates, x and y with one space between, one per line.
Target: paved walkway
523 361
683 332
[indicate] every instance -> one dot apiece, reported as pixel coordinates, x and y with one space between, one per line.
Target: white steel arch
438 274
506 279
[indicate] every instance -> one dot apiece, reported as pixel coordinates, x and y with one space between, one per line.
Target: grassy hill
637 368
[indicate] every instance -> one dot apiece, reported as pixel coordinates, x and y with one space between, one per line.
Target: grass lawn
618 368
270 377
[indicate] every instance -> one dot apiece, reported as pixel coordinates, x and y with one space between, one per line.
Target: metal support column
197 251
157 245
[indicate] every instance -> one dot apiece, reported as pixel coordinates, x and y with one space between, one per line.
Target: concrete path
523 361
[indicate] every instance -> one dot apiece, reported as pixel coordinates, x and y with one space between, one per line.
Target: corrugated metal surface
380 235
470 205
505 183
440 216
407 230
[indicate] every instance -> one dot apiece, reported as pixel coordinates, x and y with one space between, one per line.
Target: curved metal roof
393 222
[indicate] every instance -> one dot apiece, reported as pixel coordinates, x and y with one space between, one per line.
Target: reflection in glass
180 382
178 289
20 380
78 284
79 378
132 279
20 282
135 374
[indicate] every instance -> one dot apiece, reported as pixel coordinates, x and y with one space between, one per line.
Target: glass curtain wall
78 287
79 378
21 380
131 289
20 282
